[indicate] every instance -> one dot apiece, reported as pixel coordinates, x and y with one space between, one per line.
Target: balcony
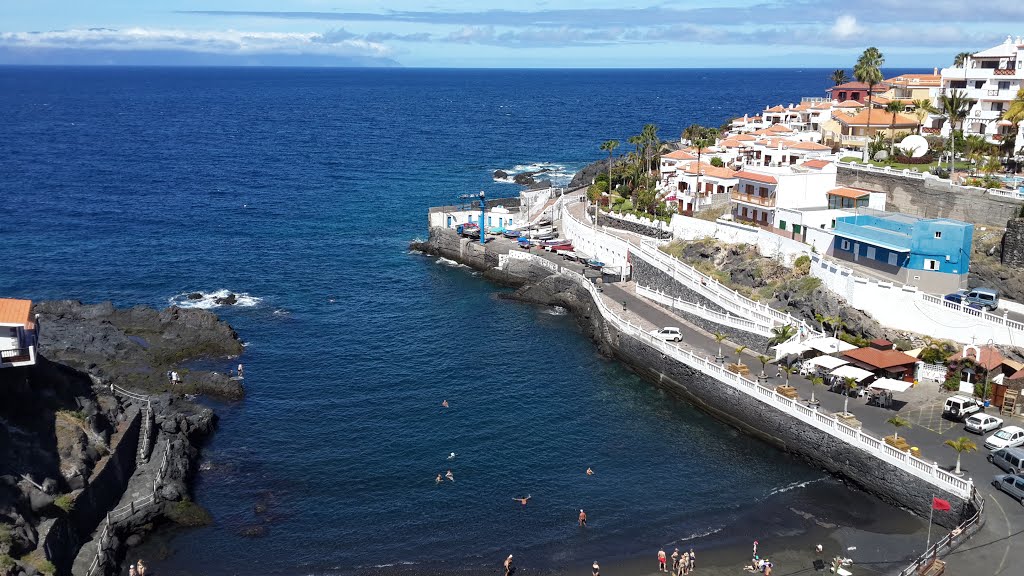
978 73
984 115
753 199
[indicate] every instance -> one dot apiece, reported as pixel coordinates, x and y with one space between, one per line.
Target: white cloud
232 42
846 26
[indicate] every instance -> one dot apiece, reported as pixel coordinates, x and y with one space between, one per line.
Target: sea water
299 190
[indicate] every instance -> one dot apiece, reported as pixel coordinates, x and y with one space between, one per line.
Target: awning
891 384
791 348
826 362
848 371
870 241
828 345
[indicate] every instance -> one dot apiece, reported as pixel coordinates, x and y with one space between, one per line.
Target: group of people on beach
758 564
138 569
682 563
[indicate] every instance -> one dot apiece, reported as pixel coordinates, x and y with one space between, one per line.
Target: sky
502 34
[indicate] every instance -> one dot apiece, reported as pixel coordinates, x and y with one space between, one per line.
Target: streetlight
984 389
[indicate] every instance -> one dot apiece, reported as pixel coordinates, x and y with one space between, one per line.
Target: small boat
524 242
468 229
595 264
559 248
558 242
511 234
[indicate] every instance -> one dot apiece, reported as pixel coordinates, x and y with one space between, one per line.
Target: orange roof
880 119
744 138
774 142
15 312
730 143
880 358
823 105
990 357
693 151
679 155
709 170
817 164
777 108
809 146
762 132
756 177
845 192
802 106
917 79
779 128
851 104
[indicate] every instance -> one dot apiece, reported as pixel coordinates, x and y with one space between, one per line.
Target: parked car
979 298
668 333
959 407
1009 459
1008 437
981 423
1012 484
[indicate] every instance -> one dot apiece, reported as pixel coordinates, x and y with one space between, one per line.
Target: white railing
542 262
931 371
928 471
723 318
906 172
1001 320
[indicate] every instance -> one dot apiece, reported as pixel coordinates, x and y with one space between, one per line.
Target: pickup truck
960 407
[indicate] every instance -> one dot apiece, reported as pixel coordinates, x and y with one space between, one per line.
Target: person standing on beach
661 561
597 569
509 569
755 548
583 520
693 560
675 560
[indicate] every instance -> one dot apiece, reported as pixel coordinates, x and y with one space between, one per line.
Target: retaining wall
931 197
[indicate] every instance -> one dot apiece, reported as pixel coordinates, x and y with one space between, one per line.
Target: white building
991 78
18 336
761 192
695 192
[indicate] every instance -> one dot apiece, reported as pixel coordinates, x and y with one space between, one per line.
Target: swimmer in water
590 471
444 404
439 479
451 456
450 476
523 501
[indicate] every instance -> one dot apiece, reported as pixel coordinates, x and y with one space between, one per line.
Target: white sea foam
794 486
281 312
701 534
558 174
451 263
208 300
555 311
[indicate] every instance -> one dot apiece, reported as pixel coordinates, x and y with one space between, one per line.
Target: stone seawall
729 405
932 198
635 227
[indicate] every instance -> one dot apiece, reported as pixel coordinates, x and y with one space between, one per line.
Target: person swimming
450 476
590 471
522 501
451 456
439 479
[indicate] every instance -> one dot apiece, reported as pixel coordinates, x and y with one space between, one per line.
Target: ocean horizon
300 189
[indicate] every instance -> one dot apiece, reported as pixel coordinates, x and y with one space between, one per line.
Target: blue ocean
300 190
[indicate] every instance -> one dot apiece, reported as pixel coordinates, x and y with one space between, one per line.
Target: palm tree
868 71
781 334
961 444
1015 115
764 362
839 77
718 338
789 372
960 60
821 321
836 322
897 423
894 107
739 356
816 381
609 146
851 385
956 104
922 108
650 138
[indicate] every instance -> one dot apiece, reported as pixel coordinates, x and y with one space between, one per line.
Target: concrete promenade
995 549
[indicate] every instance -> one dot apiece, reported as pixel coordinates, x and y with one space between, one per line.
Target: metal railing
1001 320
950 541
906 172
127 511
753 199
723 318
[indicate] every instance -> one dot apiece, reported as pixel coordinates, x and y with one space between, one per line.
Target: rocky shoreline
97 423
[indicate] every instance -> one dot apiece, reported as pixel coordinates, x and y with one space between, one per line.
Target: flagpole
931 513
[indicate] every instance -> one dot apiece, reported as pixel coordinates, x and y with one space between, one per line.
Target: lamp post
984 388
483 227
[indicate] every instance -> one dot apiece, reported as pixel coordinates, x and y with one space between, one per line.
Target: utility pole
483 222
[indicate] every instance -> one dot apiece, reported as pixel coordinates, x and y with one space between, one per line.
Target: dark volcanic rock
500 175
257 531
524 178
585 177
229 300
195 296
540 185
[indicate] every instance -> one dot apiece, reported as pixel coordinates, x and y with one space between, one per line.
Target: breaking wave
558 174
451 263
207 300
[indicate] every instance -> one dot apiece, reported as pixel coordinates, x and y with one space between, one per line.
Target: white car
1008 437
668 333
981 423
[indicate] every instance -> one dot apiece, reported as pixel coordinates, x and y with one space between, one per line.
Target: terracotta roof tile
816 164
809 146
709 170
845 192
756 177
778 108
679 155
879 119
990 357
851 104
880 358
15 311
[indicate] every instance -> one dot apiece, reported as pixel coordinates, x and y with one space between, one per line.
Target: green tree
718 338
816 381
960 60
717 162
868 70
839 77
897 423
739 356
922 108
961 445
955 106
850 384
609 146
1015 115
788 370
781 334
764 362
894 107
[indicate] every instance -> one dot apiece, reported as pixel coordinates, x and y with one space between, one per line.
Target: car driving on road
668 333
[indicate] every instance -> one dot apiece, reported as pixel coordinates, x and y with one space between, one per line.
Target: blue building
933 254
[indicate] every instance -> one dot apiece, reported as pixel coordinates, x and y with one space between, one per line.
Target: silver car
1012 484
981 423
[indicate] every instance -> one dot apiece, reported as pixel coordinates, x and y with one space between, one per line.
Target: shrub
802 265
5 535
65 503
6 563
626 206
717 162
952 382
40 563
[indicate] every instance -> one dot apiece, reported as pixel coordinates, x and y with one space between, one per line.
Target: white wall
905 308
593 242
768 244
820 240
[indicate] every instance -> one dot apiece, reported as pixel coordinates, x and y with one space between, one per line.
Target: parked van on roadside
1009 459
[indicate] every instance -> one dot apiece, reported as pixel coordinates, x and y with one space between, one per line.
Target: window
833 222
938 234
930 264
763 191
449 221
979 84
782 224
870 253
892 259
1004 85
844 245
796 228
750 189
997 106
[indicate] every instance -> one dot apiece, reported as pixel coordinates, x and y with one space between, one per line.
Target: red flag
940 504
